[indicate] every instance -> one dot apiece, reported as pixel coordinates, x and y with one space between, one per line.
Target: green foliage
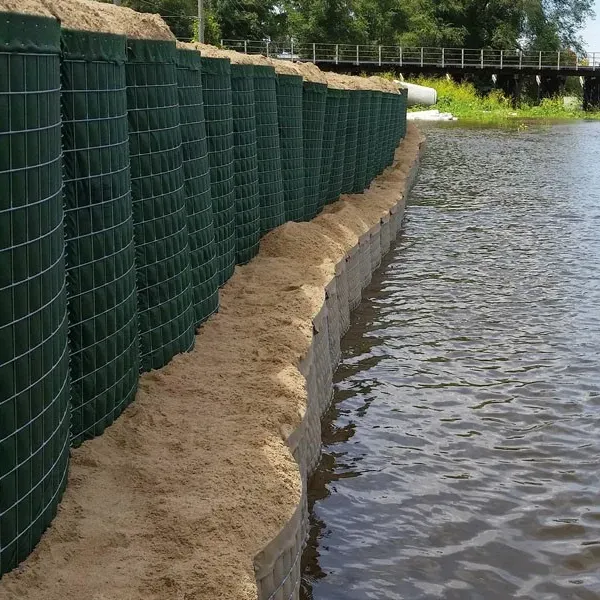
464 102
508 24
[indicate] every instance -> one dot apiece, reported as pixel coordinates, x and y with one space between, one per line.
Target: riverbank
463 102
197 491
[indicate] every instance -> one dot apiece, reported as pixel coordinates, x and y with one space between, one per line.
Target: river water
462 455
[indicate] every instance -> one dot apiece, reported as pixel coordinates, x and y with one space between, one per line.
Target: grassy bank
463 101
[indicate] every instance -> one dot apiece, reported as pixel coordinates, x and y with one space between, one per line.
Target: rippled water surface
462 457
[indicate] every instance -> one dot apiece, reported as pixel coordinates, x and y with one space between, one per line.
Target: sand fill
87 15
28 7
175 500
236 58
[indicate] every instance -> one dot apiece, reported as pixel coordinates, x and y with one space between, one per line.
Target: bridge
510 66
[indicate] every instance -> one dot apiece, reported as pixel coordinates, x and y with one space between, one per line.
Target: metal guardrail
399 56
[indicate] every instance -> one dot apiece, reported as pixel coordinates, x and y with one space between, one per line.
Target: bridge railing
399 56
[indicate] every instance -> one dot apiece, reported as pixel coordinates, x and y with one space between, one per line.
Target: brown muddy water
461 458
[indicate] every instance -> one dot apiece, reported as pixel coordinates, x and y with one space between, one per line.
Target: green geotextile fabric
396 122
314 97
363 148
383 114
332 111
403 112
351 141
385 129
270 180
289 111
245 153
159 208
201 233
101 278
374 137
216 88
339 150
34 388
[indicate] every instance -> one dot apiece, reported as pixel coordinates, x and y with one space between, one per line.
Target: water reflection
461 456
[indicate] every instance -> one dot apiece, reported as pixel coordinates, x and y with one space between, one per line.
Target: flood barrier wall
135 177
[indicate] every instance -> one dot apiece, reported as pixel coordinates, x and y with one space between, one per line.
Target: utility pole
201 21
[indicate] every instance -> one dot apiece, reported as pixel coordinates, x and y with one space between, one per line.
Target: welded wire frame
245 153
403 113
350 153
201 233
289 110
384 130
374 137
159 207
394 126
314 97
216 89
339 152
332 110
101 278
34 384
270 179
363 149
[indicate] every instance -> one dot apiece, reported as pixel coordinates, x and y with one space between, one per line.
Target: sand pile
28 7
178 496
87 15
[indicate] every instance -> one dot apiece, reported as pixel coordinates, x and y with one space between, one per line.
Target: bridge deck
425 59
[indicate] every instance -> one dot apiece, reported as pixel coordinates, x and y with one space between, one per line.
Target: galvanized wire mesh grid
314 97
384 129
332 110
247 199
391 128
364 139
374 137
289 110
101 279
351 142
201 233
339 149
216 89
159 211
34 390
270 180
404 110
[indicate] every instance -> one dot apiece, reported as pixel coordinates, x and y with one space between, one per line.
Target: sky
591 34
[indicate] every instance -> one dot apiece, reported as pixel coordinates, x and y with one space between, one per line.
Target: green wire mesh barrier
289 110
374 140
394 138
332 110
34 384
270 180
385 130
403 112
363 149
173 166
216 87
247 199
201 233
395 128
351 142
159 210
314 97
339 149
101 278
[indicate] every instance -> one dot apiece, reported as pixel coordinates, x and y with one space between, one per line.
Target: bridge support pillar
591 93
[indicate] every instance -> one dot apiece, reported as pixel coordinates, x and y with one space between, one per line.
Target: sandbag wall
137 175
277 566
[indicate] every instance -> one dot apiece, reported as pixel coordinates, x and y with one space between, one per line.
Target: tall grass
464 102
